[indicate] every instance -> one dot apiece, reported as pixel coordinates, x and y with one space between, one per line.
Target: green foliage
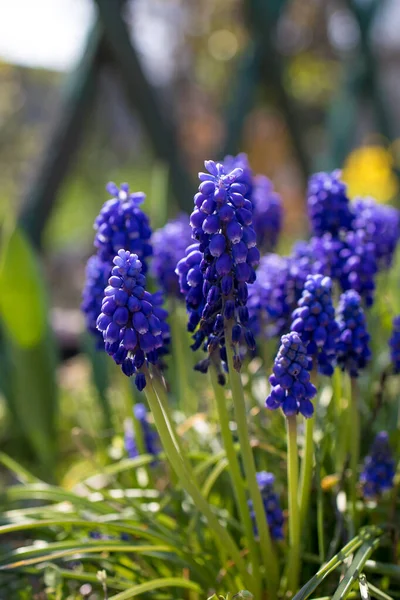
22 301
28 348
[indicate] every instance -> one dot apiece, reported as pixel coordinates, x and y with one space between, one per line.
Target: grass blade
30 555
156 584
355 568
367 534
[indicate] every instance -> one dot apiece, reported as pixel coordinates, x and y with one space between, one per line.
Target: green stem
354 435
320 508
267 551
307 464
306 471
183 471
294 522
234 471
186 398
339 418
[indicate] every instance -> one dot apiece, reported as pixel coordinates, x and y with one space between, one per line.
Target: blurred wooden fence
260 64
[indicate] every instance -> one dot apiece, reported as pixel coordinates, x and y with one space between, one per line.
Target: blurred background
143 91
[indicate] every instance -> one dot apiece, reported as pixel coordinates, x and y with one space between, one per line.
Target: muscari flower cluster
291 387
394 344
379 468
328 204
381 227
191 284
272 505
222 224
150 437
314 321
121 224
131 320
267 215
270 298
97 274
280 282
353 350
169 246
364 233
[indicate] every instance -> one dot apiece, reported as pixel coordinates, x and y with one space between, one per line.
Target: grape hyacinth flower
280 282
169 246
241 161
328 205
97 274
270 300
381 226
394 344
314 321
272 505
267 214
222 224
379 467
291 387
132 322
353 350
150 437
357 266
191 284
121 224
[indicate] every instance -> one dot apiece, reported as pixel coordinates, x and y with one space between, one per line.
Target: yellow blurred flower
368 171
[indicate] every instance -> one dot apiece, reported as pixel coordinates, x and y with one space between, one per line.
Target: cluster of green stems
258 568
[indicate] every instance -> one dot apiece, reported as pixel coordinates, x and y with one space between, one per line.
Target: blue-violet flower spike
272 505
150 437
291 387
267 215
314 321
379 467
394 344
353 350
328 205
222 224
132 322
169 246
381 226
121 224
97 274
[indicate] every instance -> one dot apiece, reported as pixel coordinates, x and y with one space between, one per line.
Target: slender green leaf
213 476
377 593
157 584
125 527
379 568
55 494
29 555
23 474
84 576
22 299
355 568
366 535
